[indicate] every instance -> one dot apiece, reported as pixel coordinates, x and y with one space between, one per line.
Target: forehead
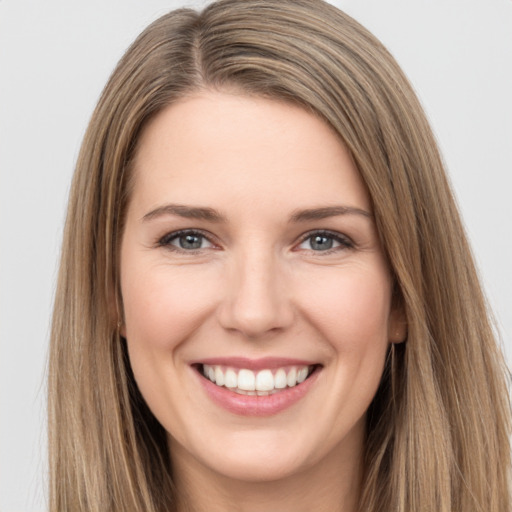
216 148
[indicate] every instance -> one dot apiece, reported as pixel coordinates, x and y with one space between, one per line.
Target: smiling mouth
264 382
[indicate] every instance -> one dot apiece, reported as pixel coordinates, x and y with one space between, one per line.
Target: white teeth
263 383
302 374
280 379
246 380
219 376
264 380
291 378
230 380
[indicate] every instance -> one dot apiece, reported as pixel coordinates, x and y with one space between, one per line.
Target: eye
323 241
188 240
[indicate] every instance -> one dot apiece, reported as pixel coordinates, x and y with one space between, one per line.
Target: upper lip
254 364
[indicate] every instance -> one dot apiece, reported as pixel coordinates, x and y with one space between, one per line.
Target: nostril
256 304
255 321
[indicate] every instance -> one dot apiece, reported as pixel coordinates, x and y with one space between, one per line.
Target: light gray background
55 56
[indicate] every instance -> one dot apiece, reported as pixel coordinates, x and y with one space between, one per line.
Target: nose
256 300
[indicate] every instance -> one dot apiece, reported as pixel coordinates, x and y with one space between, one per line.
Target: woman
266 298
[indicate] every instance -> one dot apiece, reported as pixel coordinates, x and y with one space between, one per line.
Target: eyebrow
188 212
327 211
212 215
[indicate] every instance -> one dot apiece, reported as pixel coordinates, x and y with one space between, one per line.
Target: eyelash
165 241
344 241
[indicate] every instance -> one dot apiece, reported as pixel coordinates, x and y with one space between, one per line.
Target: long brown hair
439 426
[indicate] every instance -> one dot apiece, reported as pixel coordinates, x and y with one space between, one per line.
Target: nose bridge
256 301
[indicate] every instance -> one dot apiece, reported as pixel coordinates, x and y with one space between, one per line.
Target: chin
257 465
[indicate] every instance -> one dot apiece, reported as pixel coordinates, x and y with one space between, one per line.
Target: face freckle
250 253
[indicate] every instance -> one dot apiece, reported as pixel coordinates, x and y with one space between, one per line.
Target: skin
255 288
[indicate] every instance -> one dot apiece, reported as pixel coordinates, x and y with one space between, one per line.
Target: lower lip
249 405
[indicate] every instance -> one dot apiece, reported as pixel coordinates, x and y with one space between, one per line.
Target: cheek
351 313
350 309
162 306
349 306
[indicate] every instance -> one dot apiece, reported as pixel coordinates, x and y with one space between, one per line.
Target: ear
397 322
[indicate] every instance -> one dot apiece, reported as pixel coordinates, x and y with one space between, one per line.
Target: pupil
321 243
190 242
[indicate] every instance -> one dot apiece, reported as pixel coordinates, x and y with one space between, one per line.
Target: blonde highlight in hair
439 426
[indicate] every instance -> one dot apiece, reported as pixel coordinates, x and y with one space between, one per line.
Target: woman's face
257 300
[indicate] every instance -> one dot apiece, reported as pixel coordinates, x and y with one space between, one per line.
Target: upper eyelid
172 235
328 232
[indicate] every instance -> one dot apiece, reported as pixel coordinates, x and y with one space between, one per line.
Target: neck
332 484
